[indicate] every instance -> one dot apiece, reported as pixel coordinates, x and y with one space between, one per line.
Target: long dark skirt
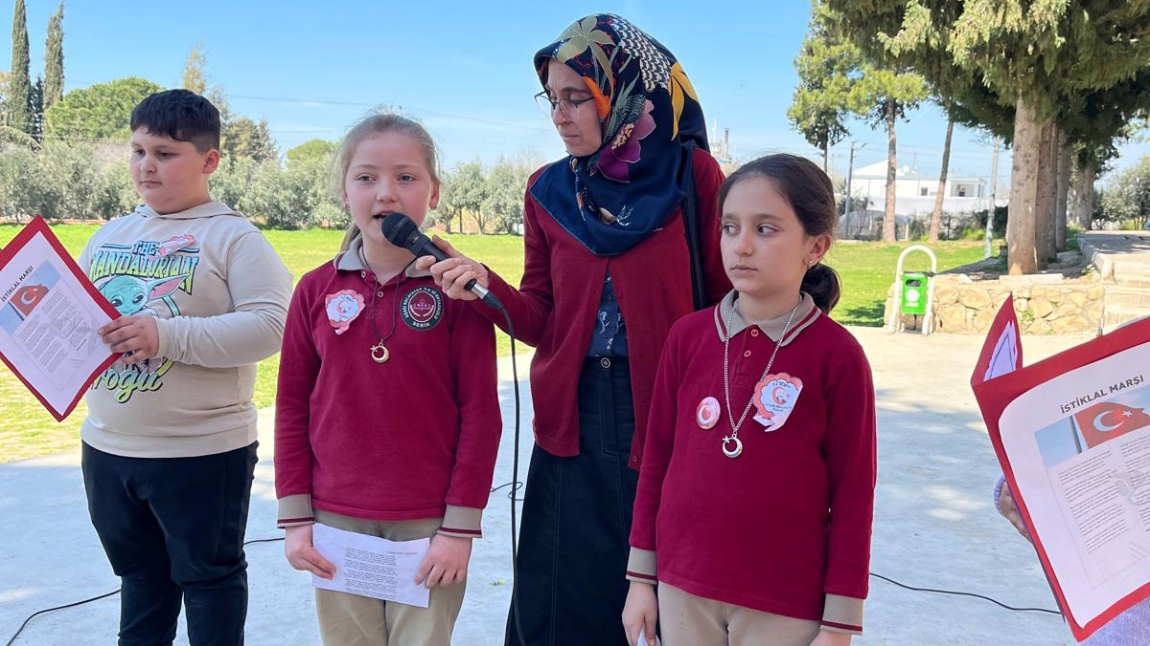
576 521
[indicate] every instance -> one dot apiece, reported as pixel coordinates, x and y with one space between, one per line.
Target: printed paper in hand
1072 434
49 314
372 567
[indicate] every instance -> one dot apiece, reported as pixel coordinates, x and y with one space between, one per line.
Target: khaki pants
689 620
352 620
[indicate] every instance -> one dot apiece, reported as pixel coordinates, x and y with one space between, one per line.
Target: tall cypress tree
18 84
36 110
194 77
54 59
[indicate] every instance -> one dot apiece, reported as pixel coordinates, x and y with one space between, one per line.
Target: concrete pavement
935 527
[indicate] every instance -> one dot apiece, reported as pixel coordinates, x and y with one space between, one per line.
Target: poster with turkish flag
1072 434
49 314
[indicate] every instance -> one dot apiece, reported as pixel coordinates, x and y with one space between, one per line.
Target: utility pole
993 190
850 171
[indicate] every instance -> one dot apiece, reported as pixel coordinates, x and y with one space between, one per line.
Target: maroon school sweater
555 306
785 527
415 437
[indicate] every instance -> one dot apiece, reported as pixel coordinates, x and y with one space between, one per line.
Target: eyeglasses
566 106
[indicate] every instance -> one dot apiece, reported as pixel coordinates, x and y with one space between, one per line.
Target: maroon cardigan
555 306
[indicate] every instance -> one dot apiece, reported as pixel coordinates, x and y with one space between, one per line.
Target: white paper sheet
372 567
48 322
1080 448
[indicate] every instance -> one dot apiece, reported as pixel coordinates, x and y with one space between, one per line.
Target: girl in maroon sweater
387 412
754 507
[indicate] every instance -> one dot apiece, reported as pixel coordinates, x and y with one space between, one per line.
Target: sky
465 69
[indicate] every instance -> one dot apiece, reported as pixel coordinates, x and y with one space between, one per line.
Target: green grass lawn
27 430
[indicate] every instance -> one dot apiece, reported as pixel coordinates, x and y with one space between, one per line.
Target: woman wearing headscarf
607 271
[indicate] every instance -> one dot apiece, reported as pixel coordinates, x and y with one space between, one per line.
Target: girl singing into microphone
387 413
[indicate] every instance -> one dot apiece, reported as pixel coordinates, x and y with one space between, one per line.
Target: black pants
173 530
576 521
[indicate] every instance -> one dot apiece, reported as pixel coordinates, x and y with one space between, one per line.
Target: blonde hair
371 125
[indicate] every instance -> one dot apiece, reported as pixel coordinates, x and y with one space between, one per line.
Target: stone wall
1044 304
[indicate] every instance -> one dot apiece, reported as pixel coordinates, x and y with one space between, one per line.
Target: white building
914 201
915 195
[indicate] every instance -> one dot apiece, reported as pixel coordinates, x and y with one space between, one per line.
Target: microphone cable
74 604
514 595
514 485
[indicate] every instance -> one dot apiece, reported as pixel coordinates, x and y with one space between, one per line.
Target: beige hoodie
220 294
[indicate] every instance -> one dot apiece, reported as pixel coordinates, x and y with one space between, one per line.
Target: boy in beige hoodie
169 445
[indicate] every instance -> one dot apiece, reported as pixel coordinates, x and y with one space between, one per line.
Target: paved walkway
1117 254
1122 260
934 528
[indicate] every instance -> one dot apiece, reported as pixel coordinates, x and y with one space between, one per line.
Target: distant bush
62 182
975 227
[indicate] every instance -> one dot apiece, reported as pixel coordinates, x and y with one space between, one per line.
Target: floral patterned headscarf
651 120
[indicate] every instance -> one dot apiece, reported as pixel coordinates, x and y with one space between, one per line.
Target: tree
243 137
1062 193
54 59
940 195
273 200
1032 55
826 65
1044 208
116 195
464 191
278 198
447 210
883 95
62 181
239 136
505 186
19 84
10 134
99 112
194 77
36 111
311 149
1093 122
1127 197
232 180
16 196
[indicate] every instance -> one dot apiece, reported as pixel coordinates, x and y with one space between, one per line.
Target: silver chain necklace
732 440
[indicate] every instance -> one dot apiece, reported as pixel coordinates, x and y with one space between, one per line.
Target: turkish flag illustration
1107 420
27 298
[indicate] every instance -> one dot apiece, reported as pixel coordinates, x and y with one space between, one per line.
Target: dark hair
182 115
812 196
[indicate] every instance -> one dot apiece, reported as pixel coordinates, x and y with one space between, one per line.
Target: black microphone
401 231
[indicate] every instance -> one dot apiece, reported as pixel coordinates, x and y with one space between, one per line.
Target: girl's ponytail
824 286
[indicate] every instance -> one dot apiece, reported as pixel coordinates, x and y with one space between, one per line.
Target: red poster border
38 226
996 394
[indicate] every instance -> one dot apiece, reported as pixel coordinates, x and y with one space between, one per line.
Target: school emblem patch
422 308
